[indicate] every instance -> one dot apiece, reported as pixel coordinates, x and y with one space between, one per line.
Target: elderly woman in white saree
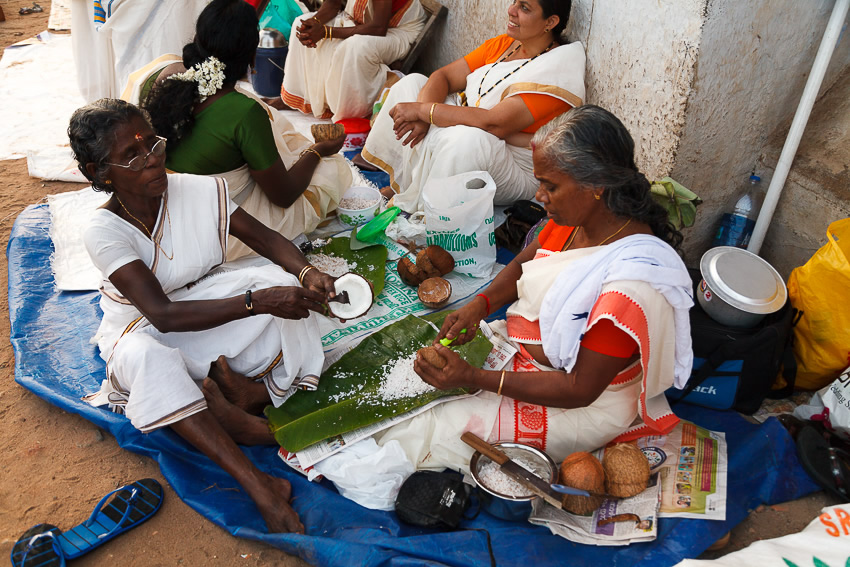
598 313
215 128
182 331
512 85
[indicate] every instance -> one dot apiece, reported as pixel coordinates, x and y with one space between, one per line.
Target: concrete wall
701 84
754 59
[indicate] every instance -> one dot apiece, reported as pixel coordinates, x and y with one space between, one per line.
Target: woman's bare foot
240 390
244 428
362 163
277 103
273 503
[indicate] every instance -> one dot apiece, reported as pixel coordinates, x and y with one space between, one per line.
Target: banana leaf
347 399
679 202
371 262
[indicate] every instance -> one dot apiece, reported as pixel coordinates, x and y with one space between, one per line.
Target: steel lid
270 37
743 280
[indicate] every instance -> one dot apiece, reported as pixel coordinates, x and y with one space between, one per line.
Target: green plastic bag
280 14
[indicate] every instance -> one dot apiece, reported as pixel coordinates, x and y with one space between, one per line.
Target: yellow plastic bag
821 289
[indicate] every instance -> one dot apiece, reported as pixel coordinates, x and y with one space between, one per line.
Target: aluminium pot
738 288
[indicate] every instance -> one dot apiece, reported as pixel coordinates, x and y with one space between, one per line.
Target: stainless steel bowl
504 506
270 37
739 288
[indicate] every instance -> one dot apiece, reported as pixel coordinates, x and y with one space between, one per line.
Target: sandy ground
56 465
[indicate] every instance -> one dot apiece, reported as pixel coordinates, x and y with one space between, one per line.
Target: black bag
433 499
521 217
736 368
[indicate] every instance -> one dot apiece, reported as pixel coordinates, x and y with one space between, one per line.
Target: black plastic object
433 500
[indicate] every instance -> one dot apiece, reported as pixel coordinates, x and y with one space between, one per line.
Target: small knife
525 477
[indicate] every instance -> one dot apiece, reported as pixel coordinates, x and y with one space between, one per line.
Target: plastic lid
743 280
755 178
375 227
355 125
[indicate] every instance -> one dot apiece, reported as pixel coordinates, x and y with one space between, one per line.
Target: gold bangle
318 155
303 273
501 383
330 32
431 114
326 32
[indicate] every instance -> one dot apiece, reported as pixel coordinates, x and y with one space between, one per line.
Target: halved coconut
434 292
360 296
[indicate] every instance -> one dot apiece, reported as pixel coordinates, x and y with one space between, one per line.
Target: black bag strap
711 363
789 362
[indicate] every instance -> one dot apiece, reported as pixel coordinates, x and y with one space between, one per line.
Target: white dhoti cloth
135 32
445 152
154 377
342 78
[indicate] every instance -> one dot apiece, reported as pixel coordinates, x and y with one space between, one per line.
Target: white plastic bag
368 474
459 218
831 404
408 231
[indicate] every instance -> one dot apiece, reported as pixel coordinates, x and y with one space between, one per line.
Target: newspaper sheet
692 467
615 522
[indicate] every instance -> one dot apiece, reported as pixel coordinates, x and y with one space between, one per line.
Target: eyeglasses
138 163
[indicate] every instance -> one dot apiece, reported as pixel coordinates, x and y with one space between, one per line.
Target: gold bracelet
303 273
318 155
501 383
326 32
431 116
330 32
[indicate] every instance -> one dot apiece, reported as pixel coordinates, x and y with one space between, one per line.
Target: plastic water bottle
736 227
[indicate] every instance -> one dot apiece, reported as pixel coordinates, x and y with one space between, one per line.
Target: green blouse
232 131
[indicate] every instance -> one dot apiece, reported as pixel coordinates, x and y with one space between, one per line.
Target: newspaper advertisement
615 522
691 463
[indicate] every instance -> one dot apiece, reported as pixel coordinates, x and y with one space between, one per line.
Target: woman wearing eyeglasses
174 315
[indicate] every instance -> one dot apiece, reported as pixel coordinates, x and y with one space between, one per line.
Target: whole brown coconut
440 259
626 470
582 470
433 357
423 262
434 292
409 273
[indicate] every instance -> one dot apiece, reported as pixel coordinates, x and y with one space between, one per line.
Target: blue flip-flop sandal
38 547
130 506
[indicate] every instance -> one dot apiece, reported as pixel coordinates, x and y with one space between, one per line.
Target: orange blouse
604 337
542 107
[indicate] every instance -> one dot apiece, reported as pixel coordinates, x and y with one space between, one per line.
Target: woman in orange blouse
597 321
479 112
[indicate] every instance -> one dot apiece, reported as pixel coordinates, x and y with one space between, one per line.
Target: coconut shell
441 259
322 132
582 470
409 273
626 470
423 262
434 292
431 355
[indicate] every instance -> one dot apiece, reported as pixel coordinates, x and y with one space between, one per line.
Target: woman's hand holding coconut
444 369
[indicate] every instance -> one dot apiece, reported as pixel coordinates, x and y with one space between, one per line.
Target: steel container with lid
739 288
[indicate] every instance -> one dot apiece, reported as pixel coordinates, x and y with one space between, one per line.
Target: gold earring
108 182
597 197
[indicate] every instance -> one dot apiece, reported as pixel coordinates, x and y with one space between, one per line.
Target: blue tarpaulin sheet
50 333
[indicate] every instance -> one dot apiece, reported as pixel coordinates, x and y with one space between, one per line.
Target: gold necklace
514 50
157 244
573 236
